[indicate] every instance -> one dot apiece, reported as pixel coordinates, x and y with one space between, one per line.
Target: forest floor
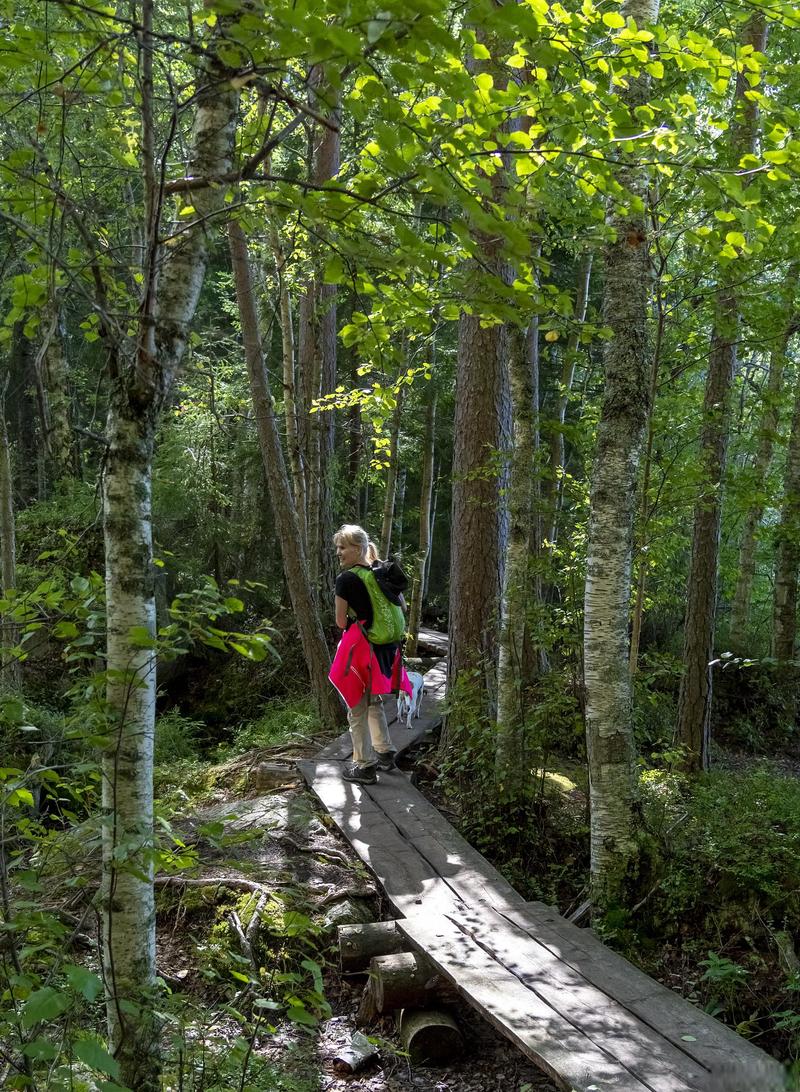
275 836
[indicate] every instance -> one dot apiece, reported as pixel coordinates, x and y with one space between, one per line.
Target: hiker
368 662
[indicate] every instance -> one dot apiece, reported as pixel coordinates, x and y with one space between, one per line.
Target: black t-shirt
352 589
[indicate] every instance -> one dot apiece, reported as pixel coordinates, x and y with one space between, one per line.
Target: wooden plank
432 638
408 880
469 874
553 1044
736 1064
659 1064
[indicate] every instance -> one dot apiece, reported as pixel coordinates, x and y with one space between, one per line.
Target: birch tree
140 384
620 431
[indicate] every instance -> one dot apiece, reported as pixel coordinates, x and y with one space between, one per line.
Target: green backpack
388 620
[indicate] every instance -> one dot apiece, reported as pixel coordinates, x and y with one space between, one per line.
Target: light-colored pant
368 730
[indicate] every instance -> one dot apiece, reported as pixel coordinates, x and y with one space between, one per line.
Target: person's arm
341 612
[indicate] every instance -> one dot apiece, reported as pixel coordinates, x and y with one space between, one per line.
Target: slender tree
512 767
425 508
392 468
694 701
11 667
295 565
555 486
623 417
787 557
767 432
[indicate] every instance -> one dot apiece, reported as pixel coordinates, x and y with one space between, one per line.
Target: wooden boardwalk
582 1013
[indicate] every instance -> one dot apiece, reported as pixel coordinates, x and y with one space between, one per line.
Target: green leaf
65 630
334 270
302 1016
96 1056
19 797
83 981
480 52
44 1004
141 637
234 605
40 1050
613 19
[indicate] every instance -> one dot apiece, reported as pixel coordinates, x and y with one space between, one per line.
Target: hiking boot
386 760
361 775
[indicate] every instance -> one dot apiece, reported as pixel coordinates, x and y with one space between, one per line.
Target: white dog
408 707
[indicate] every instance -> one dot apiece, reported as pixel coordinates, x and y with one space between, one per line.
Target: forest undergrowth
715 909
714 915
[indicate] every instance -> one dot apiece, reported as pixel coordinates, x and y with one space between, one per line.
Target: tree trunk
54 372
555 491
425 498
139 390
399 510
22 416
326 167
289 383
768 428
638 609
512 765
306 365
609 720
787 559
479 521
391 477
12 668
694 701
434 505
128 899
312 636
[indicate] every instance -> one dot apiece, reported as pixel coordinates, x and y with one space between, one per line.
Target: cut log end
430 1036
358 944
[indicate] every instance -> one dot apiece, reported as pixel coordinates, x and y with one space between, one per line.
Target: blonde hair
350 534
372 552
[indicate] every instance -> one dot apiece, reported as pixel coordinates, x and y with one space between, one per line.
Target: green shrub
177 737
281 722
726 896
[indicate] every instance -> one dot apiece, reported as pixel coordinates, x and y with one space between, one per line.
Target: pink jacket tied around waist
355 669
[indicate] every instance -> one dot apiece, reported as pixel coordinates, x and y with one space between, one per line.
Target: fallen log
430 1036
402 979
358 944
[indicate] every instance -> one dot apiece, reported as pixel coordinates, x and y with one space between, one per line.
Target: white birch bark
171 288
609 721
